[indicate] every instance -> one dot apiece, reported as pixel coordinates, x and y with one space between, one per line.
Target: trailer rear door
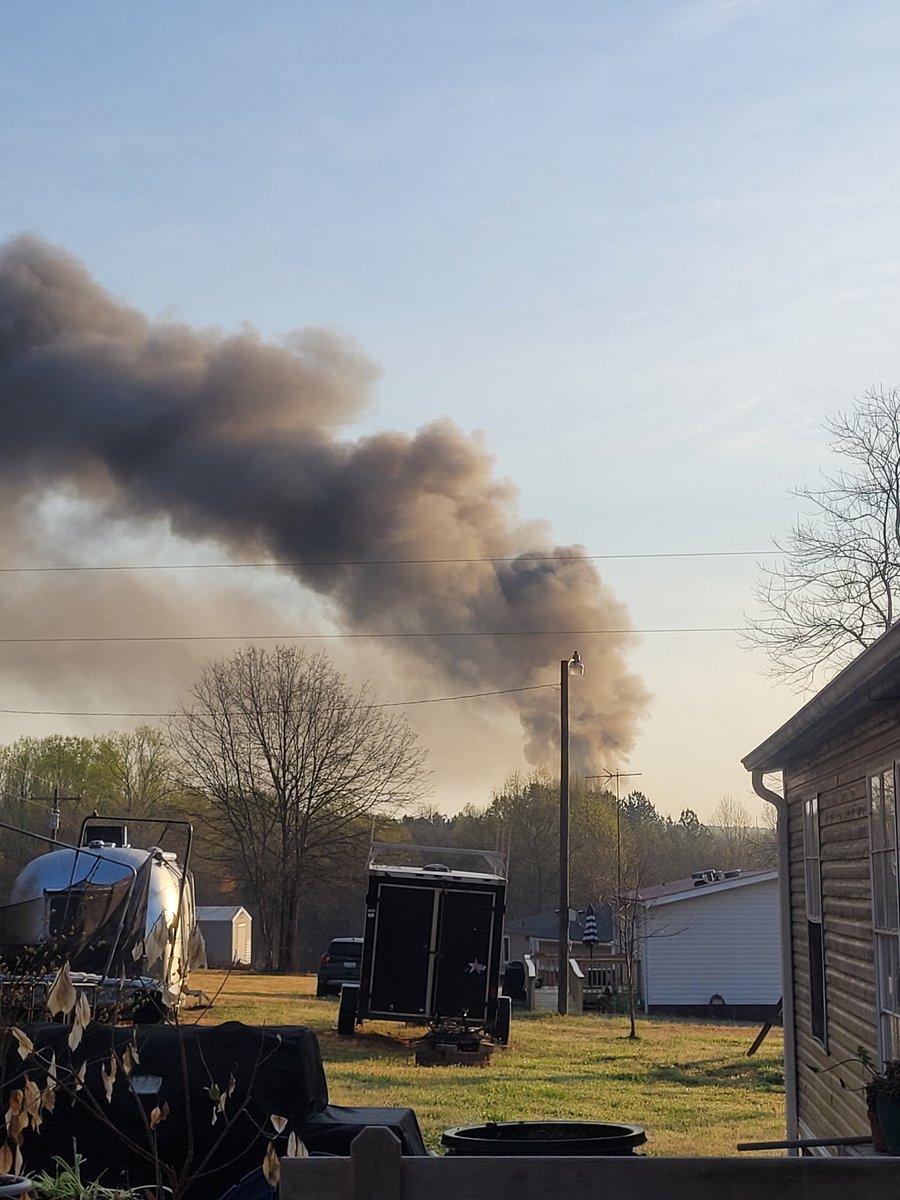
401 959
465 936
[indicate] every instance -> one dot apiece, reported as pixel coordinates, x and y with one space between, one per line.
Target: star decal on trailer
476 967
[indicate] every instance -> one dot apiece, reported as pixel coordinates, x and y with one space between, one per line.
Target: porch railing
603 980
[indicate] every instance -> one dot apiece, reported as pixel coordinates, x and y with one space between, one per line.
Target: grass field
689 1084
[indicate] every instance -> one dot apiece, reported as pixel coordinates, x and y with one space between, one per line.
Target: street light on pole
567 667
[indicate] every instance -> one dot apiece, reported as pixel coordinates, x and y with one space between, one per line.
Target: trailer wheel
346 1023
504 1013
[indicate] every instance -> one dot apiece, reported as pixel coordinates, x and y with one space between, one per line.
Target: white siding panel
724 942
242 945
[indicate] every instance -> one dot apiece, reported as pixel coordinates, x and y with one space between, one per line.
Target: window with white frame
812 863
885 909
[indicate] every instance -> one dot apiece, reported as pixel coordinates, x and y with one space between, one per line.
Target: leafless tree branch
837 588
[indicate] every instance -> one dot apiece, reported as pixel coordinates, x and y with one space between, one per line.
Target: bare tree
838 586
628 911
289 759
733 833
738 842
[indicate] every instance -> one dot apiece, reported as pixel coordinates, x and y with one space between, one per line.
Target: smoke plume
236 440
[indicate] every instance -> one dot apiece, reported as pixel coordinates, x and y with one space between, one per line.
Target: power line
387 562
47 712
374 635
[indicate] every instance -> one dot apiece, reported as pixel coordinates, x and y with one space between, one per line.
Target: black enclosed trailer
433 942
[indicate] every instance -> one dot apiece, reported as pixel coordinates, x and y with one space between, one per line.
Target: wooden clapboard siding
838 775
830 748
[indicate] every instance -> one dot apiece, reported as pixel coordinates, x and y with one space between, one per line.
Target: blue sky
643 248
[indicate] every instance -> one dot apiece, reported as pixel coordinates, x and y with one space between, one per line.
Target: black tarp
333 1129
276 1070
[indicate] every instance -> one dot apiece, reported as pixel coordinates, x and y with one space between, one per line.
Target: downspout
787 973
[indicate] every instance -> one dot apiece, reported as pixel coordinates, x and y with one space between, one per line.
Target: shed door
401 959
463 958
242 940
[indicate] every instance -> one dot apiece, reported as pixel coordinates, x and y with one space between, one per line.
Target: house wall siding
839 776
715 943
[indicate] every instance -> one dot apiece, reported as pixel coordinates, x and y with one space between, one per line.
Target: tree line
287 772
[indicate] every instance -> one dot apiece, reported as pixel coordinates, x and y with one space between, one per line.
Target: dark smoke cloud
235 440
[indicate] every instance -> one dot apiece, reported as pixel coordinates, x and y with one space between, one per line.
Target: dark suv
339 964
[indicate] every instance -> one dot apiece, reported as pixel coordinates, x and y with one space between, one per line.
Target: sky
639 252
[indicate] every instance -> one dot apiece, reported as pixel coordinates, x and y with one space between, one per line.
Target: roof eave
872 677
709 889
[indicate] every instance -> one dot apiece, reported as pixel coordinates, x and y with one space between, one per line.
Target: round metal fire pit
515 1138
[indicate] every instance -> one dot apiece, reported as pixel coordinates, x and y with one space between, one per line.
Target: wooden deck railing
604 976
375 1170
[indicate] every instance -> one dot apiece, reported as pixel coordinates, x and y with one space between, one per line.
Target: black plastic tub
562 1138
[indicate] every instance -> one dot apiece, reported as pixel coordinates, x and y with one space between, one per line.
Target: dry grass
690 1084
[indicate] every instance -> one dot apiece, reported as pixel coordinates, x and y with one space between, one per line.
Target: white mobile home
710 944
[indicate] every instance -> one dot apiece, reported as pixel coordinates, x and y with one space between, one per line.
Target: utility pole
567 667
55 813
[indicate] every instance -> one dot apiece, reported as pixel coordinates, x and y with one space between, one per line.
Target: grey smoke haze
237 440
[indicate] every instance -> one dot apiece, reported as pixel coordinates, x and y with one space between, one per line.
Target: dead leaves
31 1104
271 1165
62 997
16 1118
159 1113
130 1057
219 1097
109 1077
26 1045
296 1148
24 1109
11 1162
80 1021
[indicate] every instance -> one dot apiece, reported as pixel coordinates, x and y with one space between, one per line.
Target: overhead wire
373 635
289 564
47 712
360 635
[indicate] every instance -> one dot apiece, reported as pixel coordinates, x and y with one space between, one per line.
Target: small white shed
226 930
711 944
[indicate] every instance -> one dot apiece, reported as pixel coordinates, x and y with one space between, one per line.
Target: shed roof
870 680
219 912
